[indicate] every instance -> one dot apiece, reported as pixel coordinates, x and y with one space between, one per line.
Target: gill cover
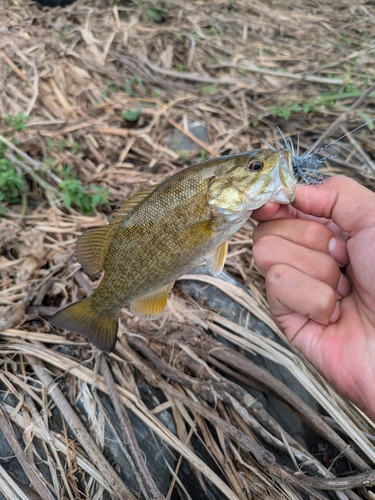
241 189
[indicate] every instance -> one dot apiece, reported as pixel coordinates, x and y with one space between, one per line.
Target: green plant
128 86
86 198
156 15
131 115
64 32
11 182
208 89
183 155
284 110
202 155
55 144
18 121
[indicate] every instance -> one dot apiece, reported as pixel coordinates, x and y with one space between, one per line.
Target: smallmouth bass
161 233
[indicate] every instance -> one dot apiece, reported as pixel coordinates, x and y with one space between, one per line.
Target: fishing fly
306 167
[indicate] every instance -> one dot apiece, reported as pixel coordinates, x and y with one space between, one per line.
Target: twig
34 479
193 77
10 487
264 457
115 485
293 76
127 429
245 365
191 136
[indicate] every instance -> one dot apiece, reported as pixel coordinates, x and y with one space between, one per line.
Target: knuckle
327 301
329 271
264 251
315 234
276 274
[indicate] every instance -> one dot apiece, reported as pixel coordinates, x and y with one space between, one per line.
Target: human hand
318 259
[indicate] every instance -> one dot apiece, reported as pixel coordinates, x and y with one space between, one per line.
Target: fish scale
160 234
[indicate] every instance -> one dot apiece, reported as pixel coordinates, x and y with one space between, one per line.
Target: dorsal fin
92 246
125 208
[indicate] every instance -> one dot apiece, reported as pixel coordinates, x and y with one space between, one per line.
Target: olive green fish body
158 236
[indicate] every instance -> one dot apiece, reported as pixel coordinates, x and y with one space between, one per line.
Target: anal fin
151 305
215 261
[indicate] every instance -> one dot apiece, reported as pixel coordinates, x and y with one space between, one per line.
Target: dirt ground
99 100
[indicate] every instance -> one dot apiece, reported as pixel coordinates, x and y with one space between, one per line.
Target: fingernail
337 248
343 287
336 313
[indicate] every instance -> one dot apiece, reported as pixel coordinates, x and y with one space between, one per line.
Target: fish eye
255 165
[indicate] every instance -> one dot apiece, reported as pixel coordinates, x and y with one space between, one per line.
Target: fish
163 232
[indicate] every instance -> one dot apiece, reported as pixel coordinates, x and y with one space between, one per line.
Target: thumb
350 205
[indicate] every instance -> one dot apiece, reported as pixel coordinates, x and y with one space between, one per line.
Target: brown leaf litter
197 383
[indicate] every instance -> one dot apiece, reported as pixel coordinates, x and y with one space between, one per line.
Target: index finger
350 205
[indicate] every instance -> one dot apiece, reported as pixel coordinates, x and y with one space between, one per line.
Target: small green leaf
17 122
156 15
202 155
208 89
95 200
67 199
131 115
367 119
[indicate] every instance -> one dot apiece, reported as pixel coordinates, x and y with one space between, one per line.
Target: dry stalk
34 479
114 483
130 439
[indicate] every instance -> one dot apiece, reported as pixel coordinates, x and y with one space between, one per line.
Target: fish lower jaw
284 196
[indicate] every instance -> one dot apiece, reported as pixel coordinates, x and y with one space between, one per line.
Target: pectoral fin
216 260
151 305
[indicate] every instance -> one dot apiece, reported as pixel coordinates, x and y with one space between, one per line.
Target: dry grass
242 69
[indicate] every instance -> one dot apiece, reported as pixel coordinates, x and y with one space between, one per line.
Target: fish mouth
284 180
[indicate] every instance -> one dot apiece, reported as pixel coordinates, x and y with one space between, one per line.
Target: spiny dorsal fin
128 205
151 305
216 260
92 246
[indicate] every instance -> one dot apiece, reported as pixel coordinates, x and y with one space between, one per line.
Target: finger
273 211
350 205
290 290
271 250
308 234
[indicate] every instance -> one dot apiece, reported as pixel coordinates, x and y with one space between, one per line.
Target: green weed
208 89
202 155
131 115
11 182
284 110
86 198
55 144
18 121
156 15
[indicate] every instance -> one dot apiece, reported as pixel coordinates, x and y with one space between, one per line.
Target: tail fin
80 317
